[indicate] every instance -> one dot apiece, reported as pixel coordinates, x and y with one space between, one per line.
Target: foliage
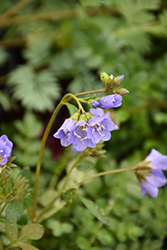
48 48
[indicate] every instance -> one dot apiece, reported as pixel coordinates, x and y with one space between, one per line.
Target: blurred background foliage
49 48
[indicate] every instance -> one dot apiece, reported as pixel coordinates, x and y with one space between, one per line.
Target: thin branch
54 15
15 42
15 9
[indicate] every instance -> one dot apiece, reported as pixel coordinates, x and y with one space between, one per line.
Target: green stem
38 168
102 174
3 207
78 159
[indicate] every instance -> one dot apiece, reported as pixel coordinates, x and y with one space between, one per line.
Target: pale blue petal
147 188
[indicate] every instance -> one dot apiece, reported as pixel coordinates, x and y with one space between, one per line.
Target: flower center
98 127
83 129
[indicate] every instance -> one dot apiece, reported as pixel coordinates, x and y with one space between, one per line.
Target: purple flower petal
95 104
64 132
147 188
98 111
158 160
157 178
5 149
110 101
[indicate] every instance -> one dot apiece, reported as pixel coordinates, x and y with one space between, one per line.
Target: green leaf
5 101
4 221
38 51
1 244
32 232
69 196
29 126
26 246
71 108
28 201
36 91
14 210
58 228
95 210
11 232
85 165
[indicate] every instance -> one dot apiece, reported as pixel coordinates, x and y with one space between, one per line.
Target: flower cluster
83 134
5 149
153 178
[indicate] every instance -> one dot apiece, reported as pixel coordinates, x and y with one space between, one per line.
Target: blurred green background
49 48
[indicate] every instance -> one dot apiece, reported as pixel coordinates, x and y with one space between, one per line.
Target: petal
65 142
157 178
97 111
106 135
59 134
147 188
158 160
95 104
109 125
79 145
90 143
96 136
118 99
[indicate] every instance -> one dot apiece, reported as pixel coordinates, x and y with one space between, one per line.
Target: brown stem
15 9
54 15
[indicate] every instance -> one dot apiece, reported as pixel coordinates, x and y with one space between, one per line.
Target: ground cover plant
83 140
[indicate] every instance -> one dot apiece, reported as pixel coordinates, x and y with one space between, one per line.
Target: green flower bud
85 117
104 77
120 91
110 81
75 116
117 81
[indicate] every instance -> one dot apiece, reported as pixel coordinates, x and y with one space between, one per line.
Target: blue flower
156 178
109 101
64 132
81 136
5 149
101 125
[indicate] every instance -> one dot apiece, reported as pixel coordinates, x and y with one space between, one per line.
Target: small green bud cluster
10 191
112 83
97 152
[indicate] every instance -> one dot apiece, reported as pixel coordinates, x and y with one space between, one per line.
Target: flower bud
75 116
110 81
104 77
117 81
120 91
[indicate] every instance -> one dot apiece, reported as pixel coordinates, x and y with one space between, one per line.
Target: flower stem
102 174
38 168
78 159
